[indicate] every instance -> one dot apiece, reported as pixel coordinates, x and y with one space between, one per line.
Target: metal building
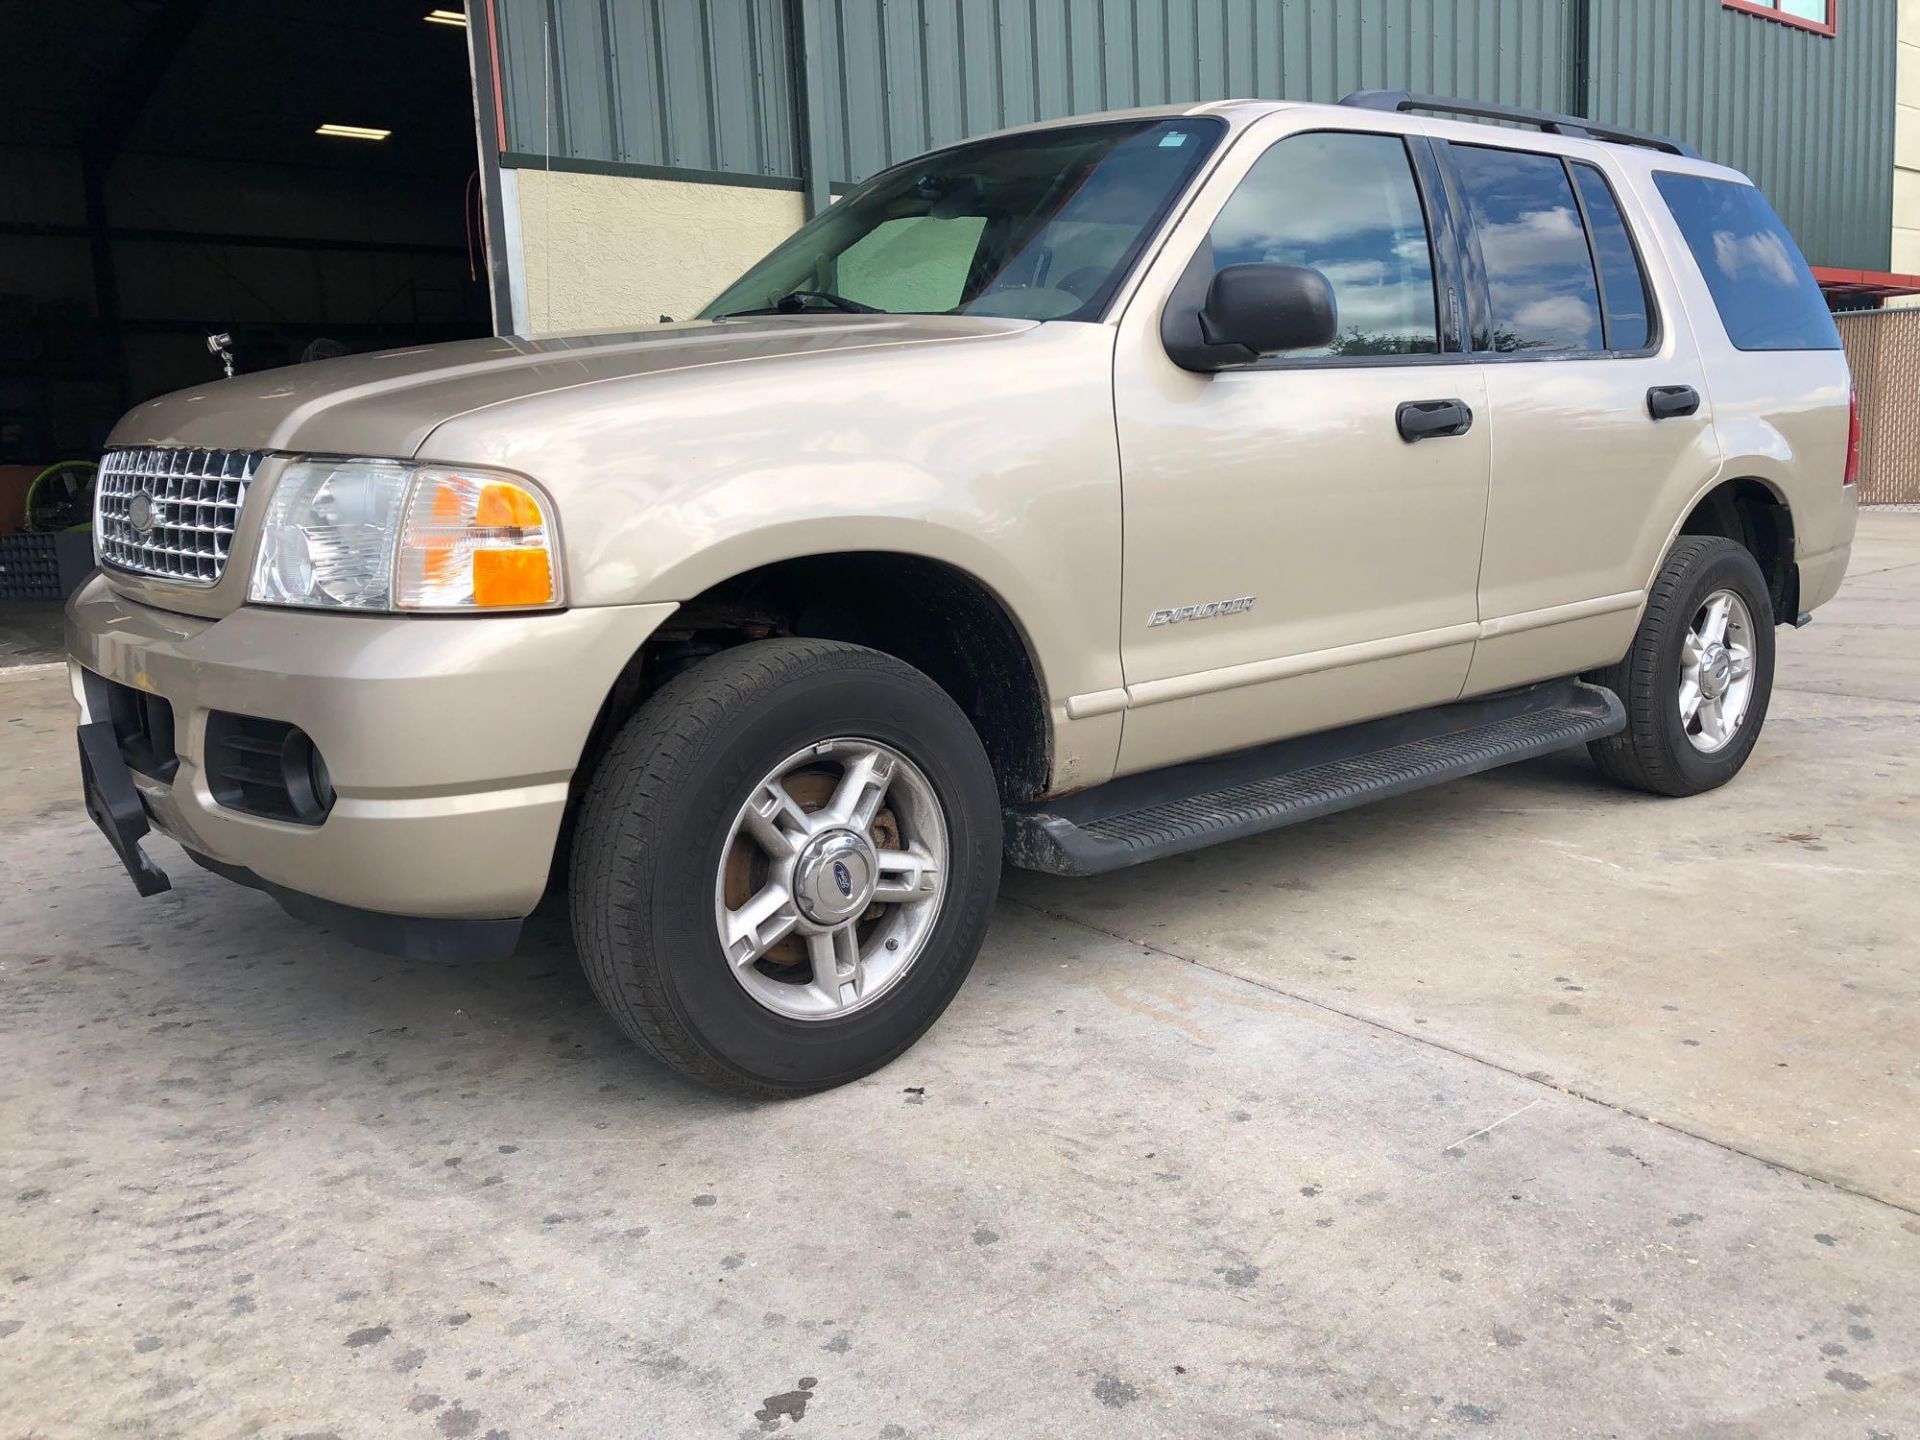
647 150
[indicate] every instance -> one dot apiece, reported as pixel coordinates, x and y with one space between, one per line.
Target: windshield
1038 226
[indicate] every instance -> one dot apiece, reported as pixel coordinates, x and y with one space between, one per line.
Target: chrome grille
170 513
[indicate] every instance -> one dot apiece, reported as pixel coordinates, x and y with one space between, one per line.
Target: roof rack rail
1547 120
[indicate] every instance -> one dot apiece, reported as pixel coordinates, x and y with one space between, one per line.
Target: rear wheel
1698 679
785 865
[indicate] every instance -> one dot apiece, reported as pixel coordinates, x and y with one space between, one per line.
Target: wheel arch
942 619
1752 511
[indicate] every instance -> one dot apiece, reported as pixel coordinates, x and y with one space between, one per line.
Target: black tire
1653 753
654 826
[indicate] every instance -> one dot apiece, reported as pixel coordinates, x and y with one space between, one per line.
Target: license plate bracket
114 805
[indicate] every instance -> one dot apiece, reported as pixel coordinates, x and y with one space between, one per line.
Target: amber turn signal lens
474 540
503 503
511 577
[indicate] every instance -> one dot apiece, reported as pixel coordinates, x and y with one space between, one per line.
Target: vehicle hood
389 403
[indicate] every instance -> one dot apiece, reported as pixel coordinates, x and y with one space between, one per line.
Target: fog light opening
269 768
304 773
319 777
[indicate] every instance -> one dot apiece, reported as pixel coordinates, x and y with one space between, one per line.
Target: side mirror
1249 311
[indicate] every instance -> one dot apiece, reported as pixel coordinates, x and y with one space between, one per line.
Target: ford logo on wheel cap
843 878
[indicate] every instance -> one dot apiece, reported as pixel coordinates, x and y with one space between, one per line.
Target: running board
1168 812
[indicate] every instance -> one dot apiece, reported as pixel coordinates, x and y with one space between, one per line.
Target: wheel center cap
1716 670
834 877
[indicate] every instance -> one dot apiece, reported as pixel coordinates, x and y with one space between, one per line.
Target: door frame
1578 631
1172 266
1474 266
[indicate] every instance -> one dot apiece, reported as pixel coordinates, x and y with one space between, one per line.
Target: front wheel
1697 681
785 865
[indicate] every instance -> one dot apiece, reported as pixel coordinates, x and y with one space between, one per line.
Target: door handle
1426 419
1665 402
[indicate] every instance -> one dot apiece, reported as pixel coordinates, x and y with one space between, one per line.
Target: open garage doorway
298 177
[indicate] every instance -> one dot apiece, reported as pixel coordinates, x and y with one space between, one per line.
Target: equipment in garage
298 179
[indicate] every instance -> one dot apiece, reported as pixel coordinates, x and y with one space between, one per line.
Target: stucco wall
1906 145
606 252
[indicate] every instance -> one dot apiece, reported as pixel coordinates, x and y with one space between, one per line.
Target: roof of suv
1538 124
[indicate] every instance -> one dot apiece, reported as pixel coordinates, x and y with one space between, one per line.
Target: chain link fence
1883 347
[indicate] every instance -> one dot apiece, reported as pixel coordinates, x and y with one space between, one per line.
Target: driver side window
1346 205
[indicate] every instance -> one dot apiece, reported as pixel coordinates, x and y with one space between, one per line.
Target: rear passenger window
1624 294
1538 267
1760 283
1347 206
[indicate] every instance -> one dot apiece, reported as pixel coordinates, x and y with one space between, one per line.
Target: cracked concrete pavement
1520 1107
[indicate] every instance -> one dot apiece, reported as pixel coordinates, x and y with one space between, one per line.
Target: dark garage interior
163 178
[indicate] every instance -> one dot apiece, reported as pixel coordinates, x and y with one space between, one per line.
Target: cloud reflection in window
1538 266
1345 205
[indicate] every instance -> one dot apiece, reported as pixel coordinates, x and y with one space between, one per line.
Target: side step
1168 812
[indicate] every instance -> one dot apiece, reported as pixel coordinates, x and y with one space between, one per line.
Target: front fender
995 455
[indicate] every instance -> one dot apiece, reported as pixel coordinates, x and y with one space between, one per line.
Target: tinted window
1538 267
1623 284
1761 286
1347 206
1042 225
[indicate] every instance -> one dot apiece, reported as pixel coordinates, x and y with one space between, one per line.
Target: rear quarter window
1759 280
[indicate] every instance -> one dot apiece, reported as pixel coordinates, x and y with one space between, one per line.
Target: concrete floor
1522 1107
30 632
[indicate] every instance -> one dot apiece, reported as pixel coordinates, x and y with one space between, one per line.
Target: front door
1292 561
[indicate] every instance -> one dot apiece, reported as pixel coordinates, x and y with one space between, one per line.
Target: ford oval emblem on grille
140 512
843 877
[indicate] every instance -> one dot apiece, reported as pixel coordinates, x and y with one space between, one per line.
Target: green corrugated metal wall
685 84
905 75
707 85
1807 116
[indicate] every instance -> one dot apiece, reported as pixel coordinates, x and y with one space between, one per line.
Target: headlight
385 535
329 535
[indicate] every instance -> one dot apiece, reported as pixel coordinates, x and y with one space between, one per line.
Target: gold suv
1080 495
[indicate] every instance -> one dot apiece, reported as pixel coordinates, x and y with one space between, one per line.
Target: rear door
1598 402
1292 561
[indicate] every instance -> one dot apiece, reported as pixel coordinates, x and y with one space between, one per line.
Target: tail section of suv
1075 496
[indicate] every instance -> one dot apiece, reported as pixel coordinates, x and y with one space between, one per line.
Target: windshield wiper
795 302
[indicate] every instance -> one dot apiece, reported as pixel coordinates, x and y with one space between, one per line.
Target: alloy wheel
1716 672
831 878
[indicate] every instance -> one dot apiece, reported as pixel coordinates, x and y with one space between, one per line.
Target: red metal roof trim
1768 10
1882 283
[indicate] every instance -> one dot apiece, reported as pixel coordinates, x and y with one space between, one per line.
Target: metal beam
112 120
1580 58
106 284
490 136
806 33
38 229
124 98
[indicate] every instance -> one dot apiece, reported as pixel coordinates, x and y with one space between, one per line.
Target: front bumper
450 741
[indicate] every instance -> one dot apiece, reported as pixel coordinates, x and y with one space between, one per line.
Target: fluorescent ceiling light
353 132
447 17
